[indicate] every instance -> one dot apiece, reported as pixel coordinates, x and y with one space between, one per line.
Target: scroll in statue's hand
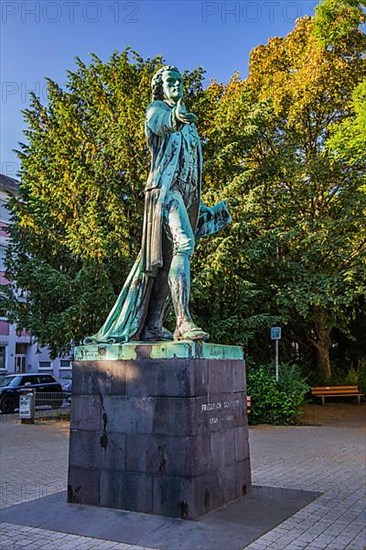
206 211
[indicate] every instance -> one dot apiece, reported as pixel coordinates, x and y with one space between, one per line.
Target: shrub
276 402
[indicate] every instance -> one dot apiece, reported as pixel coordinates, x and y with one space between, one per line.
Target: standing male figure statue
174 216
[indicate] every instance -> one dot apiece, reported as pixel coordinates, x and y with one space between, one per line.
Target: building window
65 364
4 328
45 365
3 280
4 212
2 357
21 348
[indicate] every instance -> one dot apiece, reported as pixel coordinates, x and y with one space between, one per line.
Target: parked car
66 383
48 390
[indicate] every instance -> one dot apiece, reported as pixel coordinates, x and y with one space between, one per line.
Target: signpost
26 407
276 336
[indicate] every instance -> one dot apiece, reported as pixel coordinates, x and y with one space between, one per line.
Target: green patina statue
174 217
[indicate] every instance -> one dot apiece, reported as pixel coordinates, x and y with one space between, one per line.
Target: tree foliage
297 244
347 140
336 22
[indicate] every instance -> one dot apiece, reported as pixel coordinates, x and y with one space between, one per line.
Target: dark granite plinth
159 429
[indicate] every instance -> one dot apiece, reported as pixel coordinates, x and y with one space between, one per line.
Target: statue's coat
164 138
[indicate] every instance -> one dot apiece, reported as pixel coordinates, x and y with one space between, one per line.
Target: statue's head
167 84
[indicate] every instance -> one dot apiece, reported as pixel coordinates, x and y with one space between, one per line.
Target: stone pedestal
159 428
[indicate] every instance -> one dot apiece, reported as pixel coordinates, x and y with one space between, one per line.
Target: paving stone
308 457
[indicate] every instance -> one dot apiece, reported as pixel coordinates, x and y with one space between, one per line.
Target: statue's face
172 86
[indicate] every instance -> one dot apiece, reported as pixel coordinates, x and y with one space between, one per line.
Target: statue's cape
129 310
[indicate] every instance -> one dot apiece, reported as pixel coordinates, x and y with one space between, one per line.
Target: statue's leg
178 227
153 329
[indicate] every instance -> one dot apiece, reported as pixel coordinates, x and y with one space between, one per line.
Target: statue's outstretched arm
162 120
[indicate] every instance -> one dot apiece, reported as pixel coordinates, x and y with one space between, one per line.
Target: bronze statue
174 216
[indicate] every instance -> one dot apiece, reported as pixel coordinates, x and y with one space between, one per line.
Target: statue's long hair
157 81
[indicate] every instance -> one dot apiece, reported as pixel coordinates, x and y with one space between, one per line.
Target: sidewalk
328 457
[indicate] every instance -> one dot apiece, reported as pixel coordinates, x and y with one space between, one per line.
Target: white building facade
18 352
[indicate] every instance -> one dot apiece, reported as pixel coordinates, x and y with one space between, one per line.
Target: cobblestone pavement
329 458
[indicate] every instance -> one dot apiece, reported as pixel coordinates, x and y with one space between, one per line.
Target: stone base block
159 428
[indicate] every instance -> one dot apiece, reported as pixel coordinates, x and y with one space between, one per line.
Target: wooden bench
336 391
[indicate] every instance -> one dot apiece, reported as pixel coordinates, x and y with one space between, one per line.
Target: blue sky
41 39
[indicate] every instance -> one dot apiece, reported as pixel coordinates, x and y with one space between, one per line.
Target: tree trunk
322 346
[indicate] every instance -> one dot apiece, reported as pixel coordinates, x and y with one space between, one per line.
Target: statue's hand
207 211
182 115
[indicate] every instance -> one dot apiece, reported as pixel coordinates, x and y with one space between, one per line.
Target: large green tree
297 244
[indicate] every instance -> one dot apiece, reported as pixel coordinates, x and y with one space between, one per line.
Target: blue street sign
275 333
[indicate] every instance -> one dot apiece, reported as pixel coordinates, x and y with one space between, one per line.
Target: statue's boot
156 334
189 331
153 330
179 283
